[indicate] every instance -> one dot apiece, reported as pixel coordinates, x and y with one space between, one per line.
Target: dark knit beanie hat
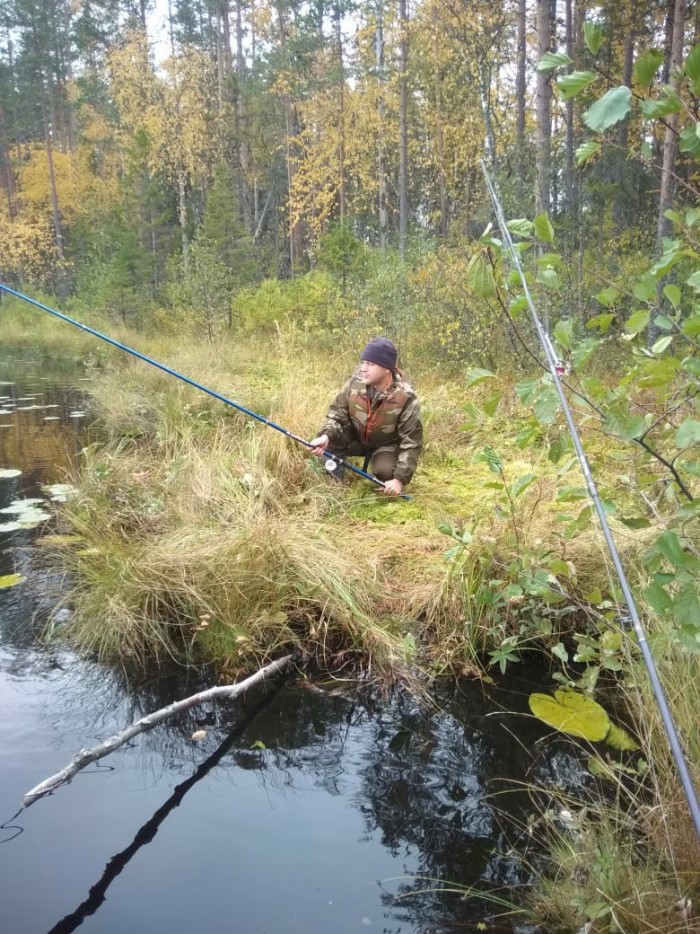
381 351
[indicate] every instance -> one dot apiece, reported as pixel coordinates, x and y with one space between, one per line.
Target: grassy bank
205 536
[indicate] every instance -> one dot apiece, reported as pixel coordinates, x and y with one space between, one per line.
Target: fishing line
332 461
553 363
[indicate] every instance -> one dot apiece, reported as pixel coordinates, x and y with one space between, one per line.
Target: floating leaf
571 713
10 580
59 492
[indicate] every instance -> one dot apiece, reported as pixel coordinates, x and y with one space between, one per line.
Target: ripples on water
319 810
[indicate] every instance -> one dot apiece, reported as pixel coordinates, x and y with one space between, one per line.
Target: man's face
373 374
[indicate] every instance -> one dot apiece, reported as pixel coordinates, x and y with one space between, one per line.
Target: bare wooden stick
86 756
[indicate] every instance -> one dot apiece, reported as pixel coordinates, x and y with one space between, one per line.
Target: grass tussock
208 535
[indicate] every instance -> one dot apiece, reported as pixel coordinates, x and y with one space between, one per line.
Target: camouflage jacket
390 418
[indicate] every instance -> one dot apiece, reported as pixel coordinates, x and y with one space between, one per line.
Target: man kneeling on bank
376 415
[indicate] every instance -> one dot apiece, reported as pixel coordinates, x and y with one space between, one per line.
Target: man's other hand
319 445
393 487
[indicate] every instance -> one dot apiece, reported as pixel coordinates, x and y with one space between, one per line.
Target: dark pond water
314 810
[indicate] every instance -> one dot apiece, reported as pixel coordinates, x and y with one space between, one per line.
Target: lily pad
32 517
7 472
59 492
20 506
571 713
10 580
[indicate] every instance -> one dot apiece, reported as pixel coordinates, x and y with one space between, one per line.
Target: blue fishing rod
332 461
553 367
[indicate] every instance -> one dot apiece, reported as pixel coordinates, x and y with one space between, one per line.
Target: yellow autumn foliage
78 189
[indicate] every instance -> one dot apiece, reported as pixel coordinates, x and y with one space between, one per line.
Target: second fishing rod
332 462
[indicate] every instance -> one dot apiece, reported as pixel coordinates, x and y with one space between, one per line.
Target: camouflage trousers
382 460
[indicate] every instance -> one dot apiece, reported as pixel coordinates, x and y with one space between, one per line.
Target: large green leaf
670 546
690 141
571 713
638 321
688 434
526 389
619 421
686 607
477 375
658 599
691 66
583 351
609 110
546 406
646 66
573 84
520 226
550 61
593 37
586 151
564 333
644 288
543 228
655 374
480 276
694 280
660 107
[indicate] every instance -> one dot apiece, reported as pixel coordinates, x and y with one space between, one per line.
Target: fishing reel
330 464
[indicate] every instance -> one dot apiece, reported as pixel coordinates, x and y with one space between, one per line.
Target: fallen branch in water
86 756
